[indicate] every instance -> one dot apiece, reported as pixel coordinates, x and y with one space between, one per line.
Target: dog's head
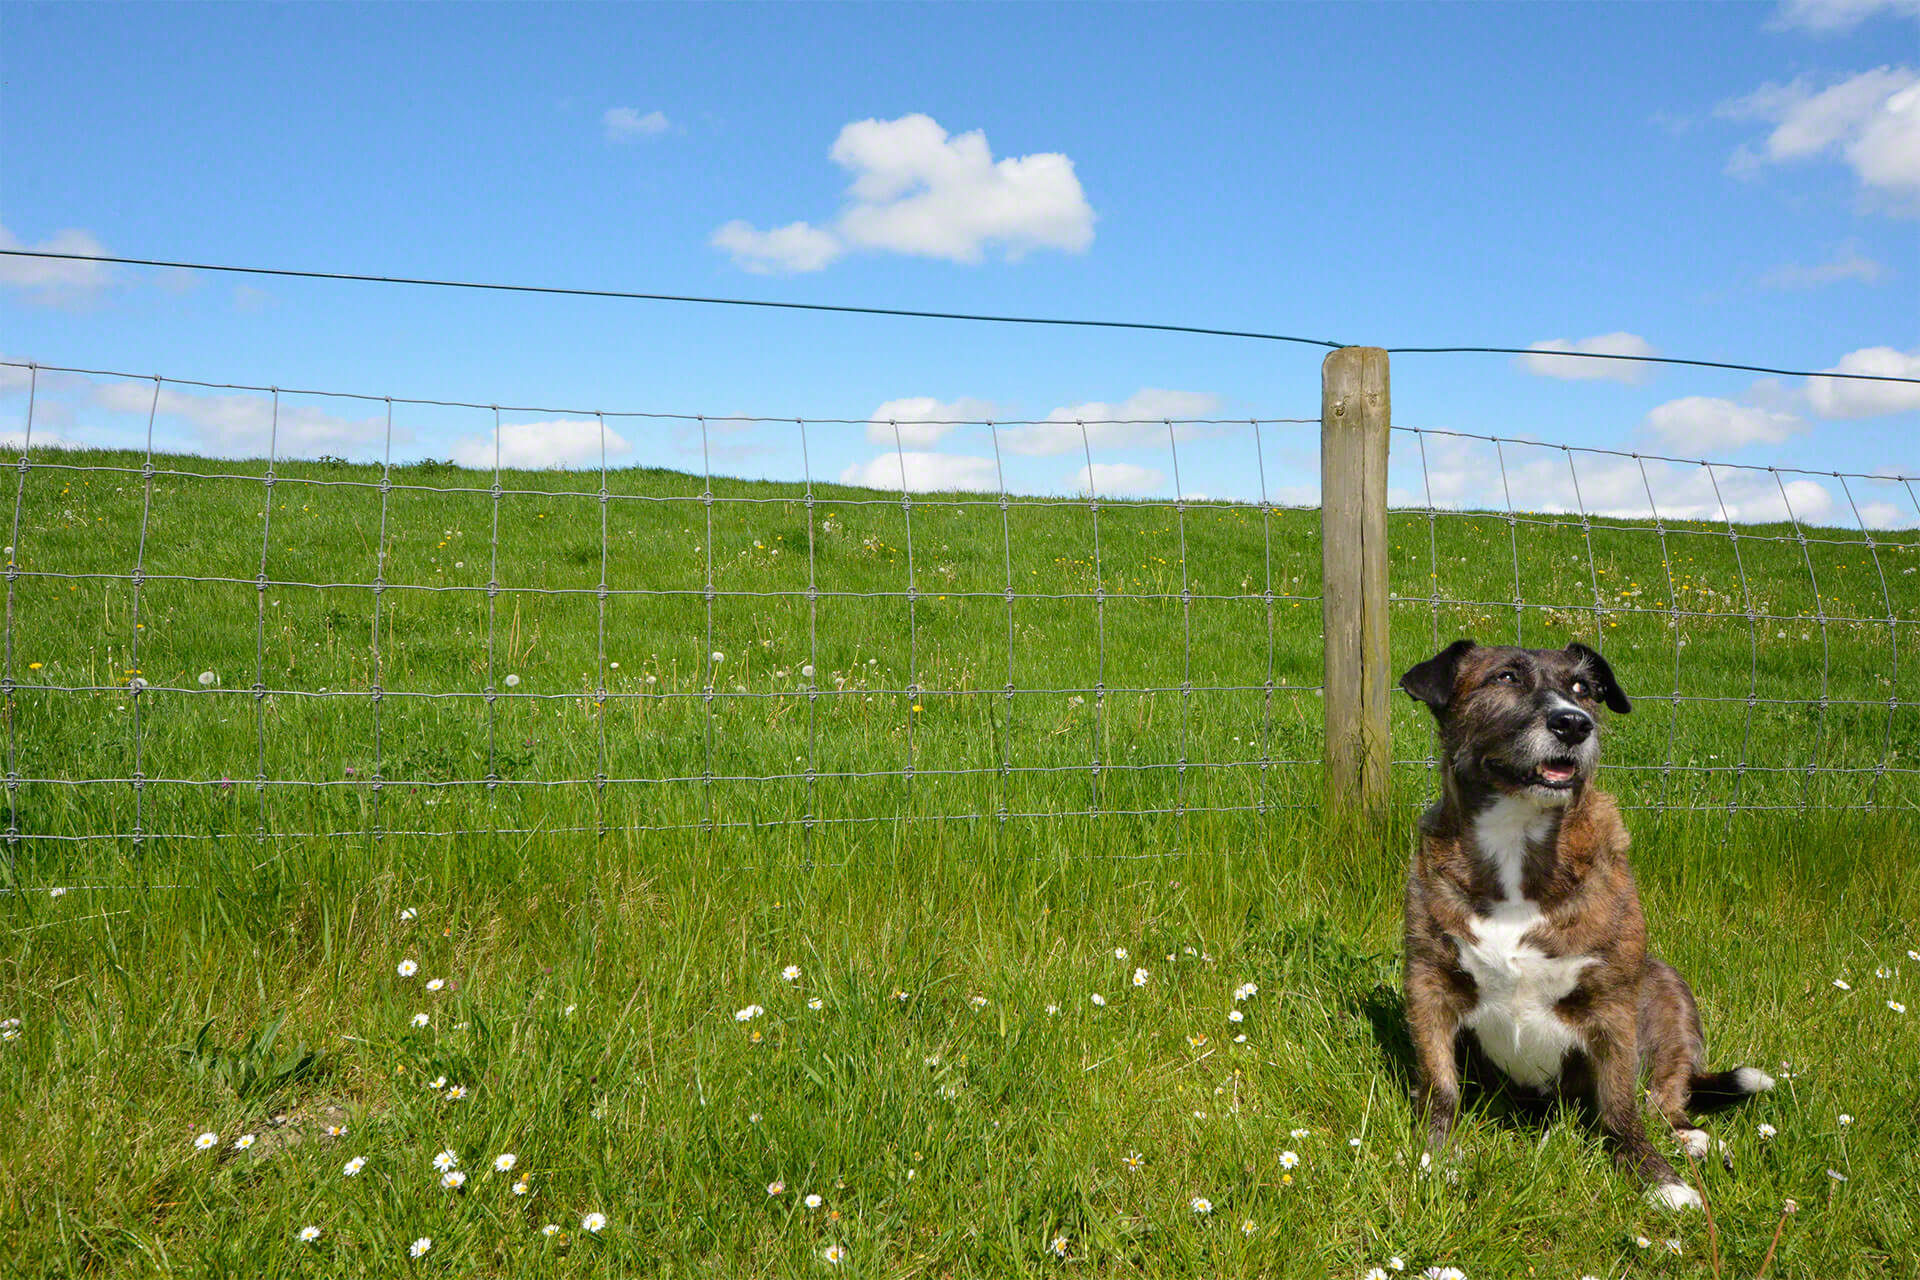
1518 721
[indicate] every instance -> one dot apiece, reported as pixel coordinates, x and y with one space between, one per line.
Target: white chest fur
1519 984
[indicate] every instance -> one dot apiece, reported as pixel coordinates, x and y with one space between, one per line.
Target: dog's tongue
1556 772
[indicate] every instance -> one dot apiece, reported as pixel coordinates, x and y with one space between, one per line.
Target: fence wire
1149 665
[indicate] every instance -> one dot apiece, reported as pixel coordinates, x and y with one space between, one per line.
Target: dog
1524 934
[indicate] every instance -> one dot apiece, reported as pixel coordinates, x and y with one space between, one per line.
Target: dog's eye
1581 688
1508 677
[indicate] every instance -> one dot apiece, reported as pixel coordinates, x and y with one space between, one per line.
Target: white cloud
1706 423
1846 398
1117 480
921 420
918 190
1630 372
796 247
1871 120
528 446
1833 16
55 281
1846 264
921 471
245 425
625 124
1138 422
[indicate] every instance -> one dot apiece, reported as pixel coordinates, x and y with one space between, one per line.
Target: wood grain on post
1354 413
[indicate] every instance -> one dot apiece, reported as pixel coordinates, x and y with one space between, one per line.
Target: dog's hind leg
1672 1047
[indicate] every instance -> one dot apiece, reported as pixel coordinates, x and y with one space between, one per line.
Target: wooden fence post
1354 414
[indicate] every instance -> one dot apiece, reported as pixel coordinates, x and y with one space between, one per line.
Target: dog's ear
1431 681
1610 691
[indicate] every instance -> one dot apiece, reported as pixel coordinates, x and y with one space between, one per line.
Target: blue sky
1718 181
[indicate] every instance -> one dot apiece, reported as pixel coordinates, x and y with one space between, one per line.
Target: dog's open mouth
1554 775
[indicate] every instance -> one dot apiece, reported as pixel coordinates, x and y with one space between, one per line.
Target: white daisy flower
456 1093
407 913
1375 1273
551 1229
1249 1227
1843 984
1234 1015
1766 1132
434 984
1396 1263
446 1160
748 1014
1058 1246
594 1223
1299 1133
1119 953
306 1233
1139 977
776 1187
813 1201
1245 991
353 1166
1098 999
505 1161
418 1249
834 1254
58 891
1052 1010
816 1003
1896 1006
206 1141
453 1179
246 1140
1444 1273
407 968
1845 1119
978 1002
421 1019
1836 1175
1200 1204
521 1187
1289 1160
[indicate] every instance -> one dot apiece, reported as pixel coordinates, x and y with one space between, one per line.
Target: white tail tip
1753 1080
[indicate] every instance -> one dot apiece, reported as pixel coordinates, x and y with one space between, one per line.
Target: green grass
593 981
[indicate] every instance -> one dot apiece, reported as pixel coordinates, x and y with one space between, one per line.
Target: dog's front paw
1673 1195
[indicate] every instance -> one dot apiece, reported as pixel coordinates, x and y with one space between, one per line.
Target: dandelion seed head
207 678
512 681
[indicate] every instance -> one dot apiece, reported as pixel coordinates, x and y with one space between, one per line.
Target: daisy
1200 1205
1245 991
453 1180
1766 1132
1289 1160
418 1249
748 1014
58 891
336 1131
1119 953
206 1141
1053 1010
551 1229
901 996
407 913
1673 1246
456 1093
246 1140
309 1233
446 1160
1133 1160
1896 1006
978 1002
1299 1133
437 1083
1444 1273
813 1201
791 973
521 1187
834 1254
434 984
353 1166
816 1003
421 1019
1845 1119
1058 1246
1234 1015
1375 1273
407 968
1139 977
1098 999
594 1223
1248 1227
1843 984
505 1161
1396 1263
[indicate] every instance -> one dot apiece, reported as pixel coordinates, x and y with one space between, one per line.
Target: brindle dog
1523 929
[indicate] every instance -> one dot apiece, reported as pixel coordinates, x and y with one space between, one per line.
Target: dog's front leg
1433 1020
1616 1071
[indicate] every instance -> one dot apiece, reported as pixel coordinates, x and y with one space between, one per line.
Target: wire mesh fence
945 628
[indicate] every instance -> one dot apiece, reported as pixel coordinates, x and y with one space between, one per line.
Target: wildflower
1444 1273
407 913
719 656
446 1160
434 984
336 1131
1289 1160
748 1014
453 1179
1673 1246
1245 991
206 1141
550 1230
58 891
1790 1206
1375 1273
418 1249
1200 1205
1248 1227
246 1140
1396 1263
816 1003
1133 1160
306 1233
1234 1015
791 973
813 1200
1883 972
207 678
807 670
1119 953
900 995
1241 1038
978 1002
594 1223
834 1254
521 1187
437 1083
1354 1143
1913 955
421 1019
1896 1006
775 1187
1139 977
1197 1039
1298 1133
1052 1010
505 1161
1058 1246
513 681
1843 984
456 1093
1642 1242
353 1167
1845 1119
1098 999
1767 1132
407 968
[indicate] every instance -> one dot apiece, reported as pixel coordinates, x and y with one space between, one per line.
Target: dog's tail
1709 1090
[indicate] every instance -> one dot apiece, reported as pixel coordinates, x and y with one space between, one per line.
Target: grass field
938 1071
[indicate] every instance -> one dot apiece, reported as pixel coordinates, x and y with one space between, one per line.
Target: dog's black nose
1570 725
